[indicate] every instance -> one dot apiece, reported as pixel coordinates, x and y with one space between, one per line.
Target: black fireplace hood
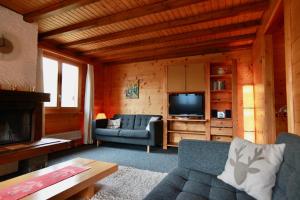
17 96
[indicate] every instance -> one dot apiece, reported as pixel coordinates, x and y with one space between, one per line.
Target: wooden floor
80 185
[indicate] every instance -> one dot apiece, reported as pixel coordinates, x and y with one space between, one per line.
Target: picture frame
132 89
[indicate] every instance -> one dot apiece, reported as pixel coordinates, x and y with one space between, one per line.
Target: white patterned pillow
252 167
152 119
114 124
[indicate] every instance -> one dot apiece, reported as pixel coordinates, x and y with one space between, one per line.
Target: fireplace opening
15 125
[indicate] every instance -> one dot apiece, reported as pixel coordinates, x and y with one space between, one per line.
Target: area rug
128 184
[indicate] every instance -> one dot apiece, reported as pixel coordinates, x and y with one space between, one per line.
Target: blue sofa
200 162
132 130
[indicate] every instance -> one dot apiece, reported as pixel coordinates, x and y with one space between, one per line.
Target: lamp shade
101 116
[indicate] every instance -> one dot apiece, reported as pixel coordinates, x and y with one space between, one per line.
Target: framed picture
132 89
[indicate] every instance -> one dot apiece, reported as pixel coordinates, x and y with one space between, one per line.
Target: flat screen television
187 104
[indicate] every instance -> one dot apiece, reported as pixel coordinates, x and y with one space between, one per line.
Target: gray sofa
200 162
132 130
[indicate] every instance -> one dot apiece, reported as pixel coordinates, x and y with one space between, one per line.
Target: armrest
156 132
101 123
206 156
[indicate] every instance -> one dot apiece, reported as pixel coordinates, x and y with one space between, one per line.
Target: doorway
276 31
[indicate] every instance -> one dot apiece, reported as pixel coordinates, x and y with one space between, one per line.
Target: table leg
85 194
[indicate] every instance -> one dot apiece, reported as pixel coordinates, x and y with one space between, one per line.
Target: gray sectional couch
132 130
200 162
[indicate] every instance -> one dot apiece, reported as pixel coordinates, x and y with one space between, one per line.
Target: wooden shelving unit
185 79
223 98
188 132
221 76
221 91
187 120
209 128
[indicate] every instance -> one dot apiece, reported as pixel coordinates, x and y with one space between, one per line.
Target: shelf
221 134
188 132
221 118
221 91
172 145
188 120
221 76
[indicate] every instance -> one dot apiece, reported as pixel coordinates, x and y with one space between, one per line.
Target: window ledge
62 110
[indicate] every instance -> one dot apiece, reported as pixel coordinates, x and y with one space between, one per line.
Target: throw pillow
152 119
252 167
114 124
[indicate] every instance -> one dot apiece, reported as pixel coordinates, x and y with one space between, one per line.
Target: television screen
186 104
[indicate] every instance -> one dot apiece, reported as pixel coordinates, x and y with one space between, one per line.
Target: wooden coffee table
80 186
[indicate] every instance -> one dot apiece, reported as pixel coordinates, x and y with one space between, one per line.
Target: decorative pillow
152 119
252 167
114 124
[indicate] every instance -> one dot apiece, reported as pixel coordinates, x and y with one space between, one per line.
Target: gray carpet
158 160
128 184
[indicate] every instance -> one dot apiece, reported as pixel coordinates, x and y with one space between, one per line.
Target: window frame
58 108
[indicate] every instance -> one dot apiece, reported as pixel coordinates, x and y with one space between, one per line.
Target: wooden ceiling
121 31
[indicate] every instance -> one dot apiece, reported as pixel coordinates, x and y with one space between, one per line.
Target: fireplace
15 125
21 116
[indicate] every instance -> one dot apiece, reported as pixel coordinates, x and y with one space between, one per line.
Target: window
50 74
61 80
69 86
249 113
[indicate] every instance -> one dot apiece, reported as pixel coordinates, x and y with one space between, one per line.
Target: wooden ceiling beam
175 51
181 36
204 17
163 50
73 55
121 16
55 9
194 52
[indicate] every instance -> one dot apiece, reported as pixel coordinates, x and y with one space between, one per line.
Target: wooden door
195 77
176 78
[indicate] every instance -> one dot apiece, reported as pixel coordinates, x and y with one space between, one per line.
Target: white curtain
40 83
89 105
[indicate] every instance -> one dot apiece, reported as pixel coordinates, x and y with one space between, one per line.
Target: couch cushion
185 184
107 131
127 121
134 133
141 121
288 178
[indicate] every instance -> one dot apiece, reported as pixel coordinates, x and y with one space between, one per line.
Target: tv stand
185 128
185 117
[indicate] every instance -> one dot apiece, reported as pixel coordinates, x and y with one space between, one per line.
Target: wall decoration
132 89
6 46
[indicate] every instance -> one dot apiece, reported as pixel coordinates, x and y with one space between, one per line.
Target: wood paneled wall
279 76
152 76
266 78
292 46
263 68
